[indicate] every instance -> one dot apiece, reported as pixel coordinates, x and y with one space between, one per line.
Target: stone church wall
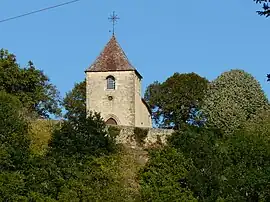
122 106
142 115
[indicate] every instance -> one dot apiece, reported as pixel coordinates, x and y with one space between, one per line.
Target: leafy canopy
233 98
31 86
85 136
75 101
14 142
164 177
226 168
172 101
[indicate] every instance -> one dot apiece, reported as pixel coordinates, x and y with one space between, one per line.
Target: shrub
86 136
140 134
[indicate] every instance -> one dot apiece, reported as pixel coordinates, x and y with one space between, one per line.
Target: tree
233 98
31 86
14 141
266 9
85 136
164 177
172 101
226 168
75 101
200 146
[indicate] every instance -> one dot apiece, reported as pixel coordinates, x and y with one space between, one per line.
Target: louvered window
110 82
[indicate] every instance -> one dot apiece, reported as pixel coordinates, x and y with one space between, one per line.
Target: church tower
113 88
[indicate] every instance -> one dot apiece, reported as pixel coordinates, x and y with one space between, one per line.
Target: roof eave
136 72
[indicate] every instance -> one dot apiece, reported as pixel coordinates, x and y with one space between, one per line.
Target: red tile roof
112 58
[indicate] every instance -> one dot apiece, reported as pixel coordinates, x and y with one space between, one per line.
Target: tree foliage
265 7
172 101
200 146
75 101
86 136
164 177
14 141
233 98
31 86
226 168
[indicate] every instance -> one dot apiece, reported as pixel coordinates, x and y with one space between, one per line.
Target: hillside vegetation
220 150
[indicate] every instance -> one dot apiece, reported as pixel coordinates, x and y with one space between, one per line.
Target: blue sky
159 37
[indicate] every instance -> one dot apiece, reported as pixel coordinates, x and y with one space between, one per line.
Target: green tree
73 169
164 177
85 136
200 145
75 101
31 86
227 168
232 99
14 141
12 186
172 101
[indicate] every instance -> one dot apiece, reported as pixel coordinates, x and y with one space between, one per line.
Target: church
113 89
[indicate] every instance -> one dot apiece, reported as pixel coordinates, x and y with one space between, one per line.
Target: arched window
111 121
110 82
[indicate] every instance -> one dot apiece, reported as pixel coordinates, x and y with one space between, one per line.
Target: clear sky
159 37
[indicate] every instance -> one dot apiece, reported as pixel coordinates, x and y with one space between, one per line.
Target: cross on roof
113 18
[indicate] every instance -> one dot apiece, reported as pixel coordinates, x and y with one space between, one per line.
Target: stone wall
122 105
150 137
125 105
142 116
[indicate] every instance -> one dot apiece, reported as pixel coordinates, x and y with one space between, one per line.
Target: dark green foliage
230 168
172 101
114 131
164 177
14 142
12 187
29 85
247 174
85 136
200 145
140 135
75 101
265 7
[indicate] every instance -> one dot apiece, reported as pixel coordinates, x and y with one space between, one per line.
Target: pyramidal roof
112 58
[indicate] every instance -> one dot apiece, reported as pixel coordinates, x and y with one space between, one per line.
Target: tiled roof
112 58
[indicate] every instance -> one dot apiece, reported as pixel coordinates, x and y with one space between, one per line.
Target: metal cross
113 18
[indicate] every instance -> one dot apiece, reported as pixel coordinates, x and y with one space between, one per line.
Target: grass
40 135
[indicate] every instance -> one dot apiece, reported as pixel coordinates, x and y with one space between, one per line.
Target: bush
140 135
86 136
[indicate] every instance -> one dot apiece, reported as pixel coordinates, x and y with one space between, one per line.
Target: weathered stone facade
118 100
153 138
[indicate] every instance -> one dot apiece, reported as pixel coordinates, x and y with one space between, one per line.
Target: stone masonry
122 104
